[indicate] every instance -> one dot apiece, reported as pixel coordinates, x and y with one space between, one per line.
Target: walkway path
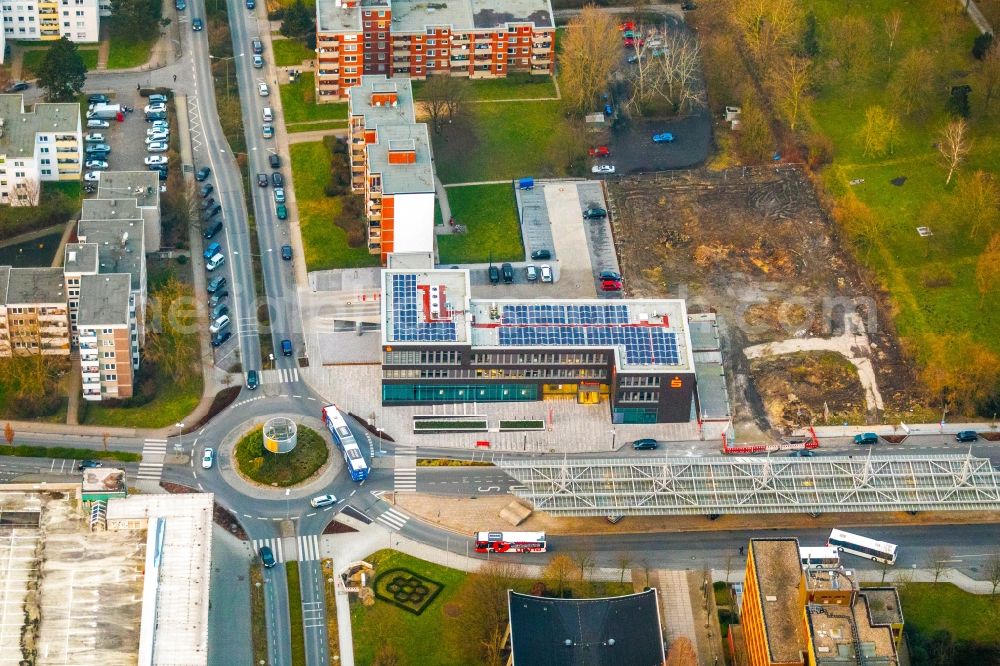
316 135
852 344
442 199
103 49
977 17
675 602
480 182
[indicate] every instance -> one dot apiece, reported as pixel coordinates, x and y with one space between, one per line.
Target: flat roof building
122 187
34 317
441 346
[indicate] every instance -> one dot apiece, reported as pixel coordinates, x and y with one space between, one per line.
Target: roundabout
280 466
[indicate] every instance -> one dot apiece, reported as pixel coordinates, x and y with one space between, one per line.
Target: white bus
510 542
880 551
821 557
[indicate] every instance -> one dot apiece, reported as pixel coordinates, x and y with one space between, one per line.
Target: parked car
626 25
219 324
220 339
645 444
546 272
251 4
18 86
603 168
611 285
216 284
322 500
967 436
277 179
157 98
257 46
538 255
531 273
206 189
866 439
202 174
258 61
266 556
157 137
215 262
212 250
94 137
286 347
89 464
98 98
801 453
664 137
160 125
197 25
97 148
213 230
158 116
267 131
96 164
494 274
595 213
159 129
610 275
154 160
286 252
92 176
94 123
208 458
262 180
180 5
207 203
632 59
211 212
252 381
219 310
162 171
217 298
157 107
281 211
158 147
507 271
263 90
279 195
274 160
599 151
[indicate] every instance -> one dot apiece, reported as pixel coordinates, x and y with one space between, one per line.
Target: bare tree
892 22
953 146
988 269
443 99
979 203
915 81
937 561
666 69
989 75
769 27
584 559
681 653
586 67
624 564
8 434
879 132
992 570
559 570
789 83
104 440
478 630
850 45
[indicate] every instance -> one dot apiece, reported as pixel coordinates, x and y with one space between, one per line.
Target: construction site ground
755 246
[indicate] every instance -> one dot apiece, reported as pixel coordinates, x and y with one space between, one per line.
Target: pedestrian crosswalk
154 451
308 547
280 376
393 519
274 545
404 479
313 614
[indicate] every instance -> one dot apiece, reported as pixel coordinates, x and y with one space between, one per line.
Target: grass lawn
281 469
490 214
518 85
33 61
930 607
124 55
900 257
502 140
57 202
175 400
316 126
298 101
325 243
290 52
296 630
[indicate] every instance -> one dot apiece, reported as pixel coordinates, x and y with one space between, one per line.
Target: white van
215 262
268 114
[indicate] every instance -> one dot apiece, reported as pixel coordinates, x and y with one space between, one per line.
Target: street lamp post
226 59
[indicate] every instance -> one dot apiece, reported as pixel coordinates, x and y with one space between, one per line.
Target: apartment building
34 317
44 144
106 323
49 20
820 617
140 187
416 39
391 165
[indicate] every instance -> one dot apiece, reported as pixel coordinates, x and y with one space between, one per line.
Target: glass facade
459 393
634 415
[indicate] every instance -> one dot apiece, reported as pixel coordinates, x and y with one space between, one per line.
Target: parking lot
127 138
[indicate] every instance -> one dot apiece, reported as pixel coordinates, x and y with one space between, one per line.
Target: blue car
665 137
212 250
180 5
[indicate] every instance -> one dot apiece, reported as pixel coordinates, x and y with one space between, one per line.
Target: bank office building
440 346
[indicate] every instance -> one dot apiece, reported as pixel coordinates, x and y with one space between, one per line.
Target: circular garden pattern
258 464
406 590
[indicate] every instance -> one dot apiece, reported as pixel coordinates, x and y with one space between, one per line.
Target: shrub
182 259
981 45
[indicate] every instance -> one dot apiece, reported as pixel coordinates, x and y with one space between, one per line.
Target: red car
630 42
627 25
599 151
611 285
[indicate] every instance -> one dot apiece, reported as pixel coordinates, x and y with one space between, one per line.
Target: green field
290 52
929 608
325 243
33 60
927 312
297 631
125 55
174 401
298 102
518 85
489 212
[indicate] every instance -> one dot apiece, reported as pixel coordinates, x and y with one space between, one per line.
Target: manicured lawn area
296 630
298 101
175 400
290 52
900 257
33 61
124 55
66 452
316 126
930 607
489 212
282 469
501 140
518 85
325 243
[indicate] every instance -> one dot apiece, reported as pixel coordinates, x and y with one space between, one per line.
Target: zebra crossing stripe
405 480
308 548
280 376
393 519
154 451
313 614
273 544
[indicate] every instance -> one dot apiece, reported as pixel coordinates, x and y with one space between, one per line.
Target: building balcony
91 379
92 394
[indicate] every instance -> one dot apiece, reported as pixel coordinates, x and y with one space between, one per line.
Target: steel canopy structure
717 485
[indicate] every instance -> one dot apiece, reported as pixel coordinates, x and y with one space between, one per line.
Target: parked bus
822 557
510 542
342 435
854 544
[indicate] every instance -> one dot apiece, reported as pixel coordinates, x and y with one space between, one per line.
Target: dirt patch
809 388
335 527
755 246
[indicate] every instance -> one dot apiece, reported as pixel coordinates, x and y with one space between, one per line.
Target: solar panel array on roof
406 323
644 345
565 314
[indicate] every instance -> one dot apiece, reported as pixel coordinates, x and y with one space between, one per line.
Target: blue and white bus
342 435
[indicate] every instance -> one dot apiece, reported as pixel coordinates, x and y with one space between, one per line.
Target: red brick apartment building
415 38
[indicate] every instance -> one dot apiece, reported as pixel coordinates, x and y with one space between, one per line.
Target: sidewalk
956 578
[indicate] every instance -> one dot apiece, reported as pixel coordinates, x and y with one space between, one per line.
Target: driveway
633 150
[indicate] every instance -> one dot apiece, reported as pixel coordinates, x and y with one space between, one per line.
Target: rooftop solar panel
406 322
